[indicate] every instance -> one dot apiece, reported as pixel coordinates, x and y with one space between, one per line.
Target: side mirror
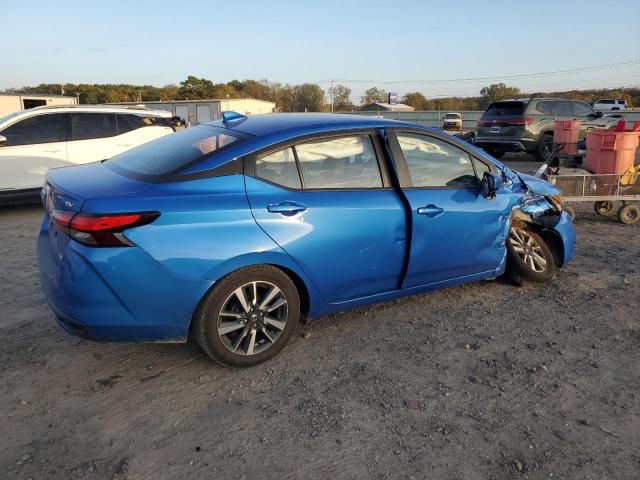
3 140
599 114
490 184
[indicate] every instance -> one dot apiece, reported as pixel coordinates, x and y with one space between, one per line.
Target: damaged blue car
231 231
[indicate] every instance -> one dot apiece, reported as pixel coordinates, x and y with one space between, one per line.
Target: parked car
231 231
33 141
452 121
526 125
610 105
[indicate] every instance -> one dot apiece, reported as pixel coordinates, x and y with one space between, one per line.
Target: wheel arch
551 237
311 301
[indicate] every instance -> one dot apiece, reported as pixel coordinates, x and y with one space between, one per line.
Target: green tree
496 92
374 94
341 100
308 97
416 100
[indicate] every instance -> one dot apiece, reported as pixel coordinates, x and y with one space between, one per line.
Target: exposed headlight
556 202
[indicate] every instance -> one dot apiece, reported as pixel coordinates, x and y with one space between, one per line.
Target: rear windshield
505 109
173 153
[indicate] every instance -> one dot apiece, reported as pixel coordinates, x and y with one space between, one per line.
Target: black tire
629 214
545 151
519 270
603 208
207 319
495 153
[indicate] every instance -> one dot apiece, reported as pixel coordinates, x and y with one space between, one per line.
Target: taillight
506 122
101 230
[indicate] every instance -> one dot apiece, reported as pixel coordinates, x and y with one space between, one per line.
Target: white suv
35 140
610 105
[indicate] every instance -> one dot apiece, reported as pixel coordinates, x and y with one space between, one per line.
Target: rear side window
564 109
173 153
88 126
434 163
341 163
129 122
48 128
279 168
544 107
505 109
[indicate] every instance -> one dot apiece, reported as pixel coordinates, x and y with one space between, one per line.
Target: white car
36 140
610 105
452 121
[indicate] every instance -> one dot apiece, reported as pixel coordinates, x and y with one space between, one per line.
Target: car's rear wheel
545 151
248 317
529 258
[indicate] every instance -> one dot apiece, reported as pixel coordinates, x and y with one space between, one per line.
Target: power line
500 77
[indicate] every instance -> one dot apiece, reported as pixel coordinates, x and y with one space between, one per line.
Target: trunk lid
503 119
67 188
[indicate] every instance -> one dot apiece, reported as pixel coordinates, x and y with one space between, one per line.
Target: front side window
342 163
128 122
279 168
88 126
582 109
435 163
48 128
173 153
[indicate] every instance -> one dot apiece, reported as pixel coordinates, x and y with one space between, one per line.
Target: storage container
611 151
566 134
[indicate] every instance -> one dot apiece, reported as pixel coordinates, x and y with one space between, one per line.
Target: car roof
95 108
298 123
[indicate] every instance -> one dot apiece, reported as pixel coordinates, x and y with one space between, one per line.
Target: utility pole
331 93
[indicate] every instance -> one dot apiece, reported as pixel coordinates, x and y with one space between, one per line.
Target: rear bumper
506 144
114 294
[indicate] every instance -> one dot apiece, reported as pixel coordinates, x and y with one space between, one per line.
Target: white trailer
23 101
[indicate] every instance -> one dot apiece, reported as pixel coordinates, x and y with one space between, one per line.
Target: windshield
505 109
173 153
452 115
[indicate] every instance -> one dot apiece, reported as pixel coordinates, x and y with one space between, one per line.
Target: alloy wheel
252 318
527 249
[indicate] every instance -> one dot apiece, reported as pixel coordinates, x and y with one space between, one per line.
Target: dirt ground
476 382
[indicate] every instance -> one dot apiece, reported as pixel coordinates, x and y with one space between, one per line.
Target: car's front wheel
529 258
248 317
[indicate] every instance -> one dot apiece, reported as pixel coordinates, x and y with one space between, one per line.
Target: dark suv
526 125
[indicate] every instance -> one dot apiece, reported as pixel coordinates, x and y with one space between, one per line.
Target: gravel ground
480 381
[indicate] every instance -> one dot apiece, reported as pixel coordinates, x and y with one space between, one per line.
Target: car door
34 145
92 137
588 117
328 203
457 233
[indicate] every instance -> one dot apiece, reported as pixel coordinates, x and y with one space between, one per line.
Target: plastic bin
566 134
611 151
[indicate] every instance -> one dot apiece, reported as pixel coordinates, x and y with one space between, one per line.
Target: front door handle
286 208
430 211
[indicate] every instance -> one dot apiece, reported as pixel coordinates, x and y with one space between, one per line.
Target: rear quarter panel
205 229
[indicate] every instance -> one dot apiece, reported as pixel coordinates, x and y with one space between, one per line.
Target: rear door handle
286 208
430 211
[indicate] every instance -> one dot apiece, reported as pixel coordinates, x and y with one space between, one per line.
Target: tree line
303 97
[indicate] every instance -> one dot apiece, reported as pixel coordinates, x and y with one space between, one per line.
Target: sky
400 45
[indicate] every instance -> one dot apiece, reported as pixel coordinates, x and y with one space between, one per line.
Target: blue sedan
232 231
